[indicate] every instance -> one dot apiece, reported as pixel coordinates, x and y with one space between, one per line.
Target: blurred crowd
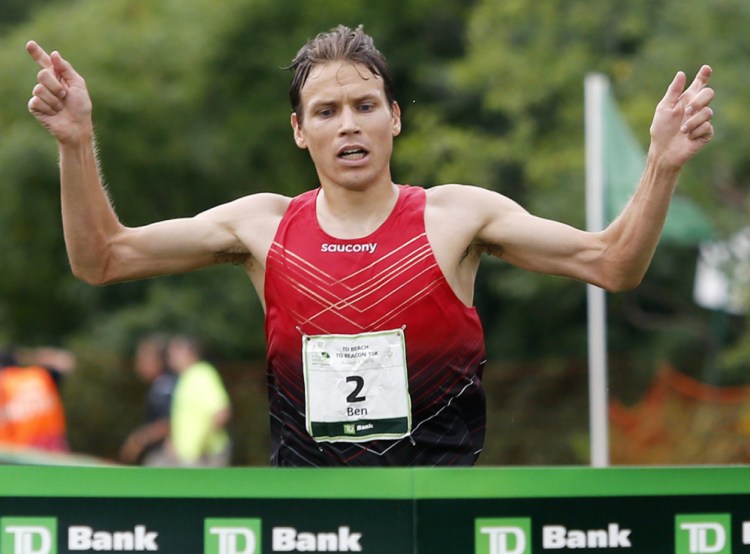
186 412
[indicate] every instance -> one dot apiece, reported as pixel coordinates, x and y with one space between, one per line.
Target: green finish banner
55 510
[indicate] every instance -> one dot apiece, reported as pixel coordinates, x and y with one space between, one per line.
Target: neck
352 214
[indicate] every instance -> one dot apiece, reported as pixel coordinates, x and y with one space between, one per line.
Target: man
375 352
200 408
145 445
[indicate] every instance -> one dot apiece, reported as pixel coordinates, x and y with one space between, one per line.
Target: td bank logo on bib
232 536
28 535
502 536
703 534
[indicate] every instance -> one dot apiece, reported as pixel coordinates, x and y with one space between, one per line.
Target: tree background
191 110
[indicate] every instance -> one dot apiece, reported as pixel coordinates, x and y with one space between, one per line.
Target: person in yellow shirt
200 408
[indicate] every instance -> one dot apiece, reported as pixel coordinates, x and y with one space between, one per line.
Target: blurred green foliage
191 110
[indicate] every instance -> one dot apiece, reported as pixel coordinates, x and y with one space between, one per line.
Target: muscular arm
100 248
618 257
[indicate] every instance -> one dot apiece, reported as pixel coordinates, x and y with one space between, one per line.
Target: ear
396 115
299 138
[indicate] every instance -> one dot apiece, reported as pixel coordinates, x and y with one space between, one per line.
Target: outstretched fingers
682 123
38 54
678 94
52 80
59 99
690 105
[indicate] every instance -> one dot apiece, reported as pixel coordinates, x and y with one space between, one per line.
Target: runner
375 352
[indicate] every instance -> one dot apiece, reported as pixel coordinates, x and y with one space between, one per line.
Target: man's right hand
60 100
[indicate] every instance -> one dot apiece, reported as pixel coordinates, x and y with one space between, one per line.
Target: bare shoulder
453 221
252 222
472 219
468 200
444 195
259 205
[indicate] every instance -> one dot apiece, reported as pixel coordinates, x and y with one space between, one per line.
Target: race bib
356 386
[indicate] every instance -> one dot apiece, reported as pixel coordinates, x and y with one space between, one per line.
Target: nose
348 123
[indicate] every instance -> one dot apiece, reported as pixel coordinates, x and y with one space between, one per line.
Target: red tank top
316 284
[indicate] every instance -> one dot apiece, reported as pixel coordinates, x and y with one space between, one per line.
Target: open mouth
352 154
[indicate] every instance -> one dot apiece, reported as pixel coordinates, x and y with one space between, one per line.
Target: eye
367 106
325 112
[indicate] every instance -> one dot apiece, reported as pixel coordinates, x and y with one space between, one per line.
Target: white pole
595 88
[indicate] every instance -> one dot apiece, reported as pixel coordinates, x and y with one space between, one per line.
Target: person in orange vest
31 410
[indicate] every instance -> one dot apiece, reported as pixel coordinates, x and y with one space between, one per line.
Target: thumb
63 68
674 91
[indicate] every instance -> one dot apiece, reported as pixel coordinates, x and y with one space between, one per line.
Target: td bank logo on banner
28 535
38 535
513 536
243 536
232 536
502 536
703 534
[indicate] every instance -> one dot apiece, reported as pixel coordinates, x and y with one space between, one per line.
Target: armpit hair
228 257
485 248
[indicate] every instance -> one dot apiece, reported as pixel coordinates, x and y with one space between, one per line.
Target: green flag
624 162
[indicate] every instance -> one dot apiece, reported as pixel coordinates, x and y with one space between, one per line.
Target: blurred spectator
31 410
200 408
146 445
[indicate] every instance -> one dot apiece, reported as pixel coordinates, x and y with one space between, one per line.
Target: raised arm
100 248
680 129
618 257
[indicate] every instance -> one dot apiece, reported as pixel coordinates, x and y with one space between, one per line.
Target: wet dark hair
339 44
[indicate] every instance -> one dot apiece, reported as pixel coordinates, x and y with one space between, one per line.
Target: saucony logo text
367 248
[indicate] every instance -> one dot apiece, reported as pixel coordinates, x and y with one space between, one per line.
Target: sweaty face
347 125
